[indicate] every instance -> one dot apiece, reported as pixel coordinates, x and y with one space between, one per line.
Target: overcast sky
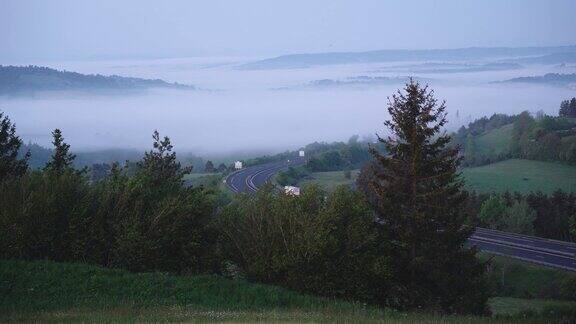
81 29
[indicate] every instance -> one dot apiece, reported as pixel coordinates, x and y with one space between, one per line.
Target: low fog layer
244 110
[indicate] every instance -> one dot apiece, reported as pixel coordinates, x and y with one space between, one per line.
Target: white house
238 165
301 153
292 191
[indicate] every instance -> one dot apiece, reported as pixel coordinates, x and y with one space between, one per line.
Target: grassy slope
48 291
330 180
512 175
522 176
30 287
495 141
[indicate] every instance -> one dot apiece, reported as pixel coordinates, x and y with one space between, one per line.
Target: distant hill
549 78
555 58
358 81
443 67
29 79
460 54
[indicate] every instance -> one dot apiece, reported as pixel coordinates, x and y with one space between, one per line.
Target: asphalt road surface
249 179
552 253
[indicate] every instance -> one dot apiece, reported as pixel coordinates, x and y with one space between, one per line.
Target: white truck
292 191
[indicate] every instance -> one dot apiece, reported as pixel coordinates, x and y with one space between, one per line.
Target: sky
107 29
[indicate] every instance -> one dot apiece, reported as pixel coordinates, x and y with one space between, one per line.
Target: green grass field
495 141
510 175
521 176
48 291
330 180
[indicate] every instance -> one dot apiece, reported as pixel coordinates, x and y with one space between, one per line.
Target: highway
552 253
249 179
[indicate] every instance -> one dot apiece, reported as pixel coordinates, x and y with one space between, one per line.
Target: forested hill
29 79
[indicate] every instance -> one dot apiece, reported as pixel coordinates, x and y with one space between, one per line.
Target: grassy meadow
331 179
495 141
49 291
522 176
510 175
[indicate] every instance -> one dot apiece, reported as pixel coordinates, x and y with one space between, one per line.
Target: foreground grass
522 176
56 292
506 306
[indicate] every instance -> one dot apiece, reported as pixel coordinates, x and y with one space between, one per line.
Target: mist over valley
234 109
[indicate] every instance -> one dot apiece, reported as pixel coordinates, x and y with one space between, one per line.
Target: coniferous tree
62 159
420 205
568 108
161 164
209 168
222 167
10 143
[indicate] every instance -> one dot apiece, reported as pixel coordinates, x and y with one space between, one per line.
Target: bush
328 247
292 176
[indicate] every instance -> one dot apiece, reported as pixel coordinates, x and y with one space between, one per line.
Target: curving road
249 179
552 253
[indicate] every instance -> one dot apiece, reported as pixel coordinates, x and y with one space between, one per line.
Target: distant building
292 191
301 153
238 165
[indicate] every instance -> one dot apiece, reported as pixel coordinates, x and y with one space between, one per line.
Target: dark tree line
568 108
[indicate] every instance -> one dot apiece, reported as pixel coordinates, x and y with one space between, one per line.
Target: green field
521 176
48 291
495 141
510 175
330 180
40 291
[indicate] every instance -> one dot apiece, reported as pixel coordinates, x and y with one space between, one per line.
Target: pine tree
161 163
10 143
62 159
420 206
209 168
222 168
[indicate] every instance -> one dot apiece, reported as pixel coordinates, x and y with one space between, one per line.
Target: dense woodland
385 244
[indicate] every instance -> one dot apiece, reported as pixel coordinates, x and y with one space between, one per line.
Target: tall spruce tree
10 143
62 159
419 201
